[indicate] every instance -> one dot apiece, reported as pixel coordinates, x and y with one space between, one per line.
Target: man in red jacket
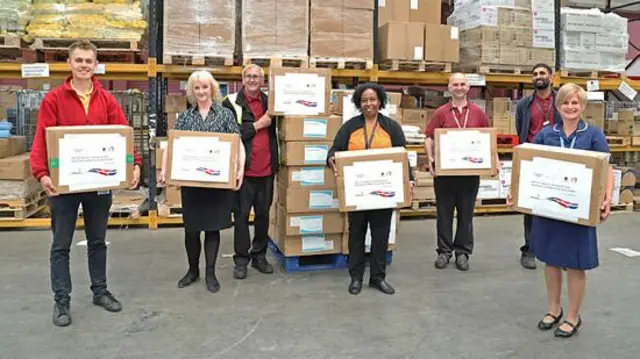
80 101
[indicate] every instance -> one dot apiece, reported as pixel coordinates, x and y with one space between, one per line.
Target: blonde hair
83 45
202 76
567 91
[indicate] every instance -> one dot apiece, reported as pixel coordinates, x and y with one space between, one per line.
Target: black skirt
207 209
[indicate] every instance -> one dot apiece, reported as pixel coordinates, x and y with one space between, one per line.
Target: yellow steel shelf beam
113 71
505 150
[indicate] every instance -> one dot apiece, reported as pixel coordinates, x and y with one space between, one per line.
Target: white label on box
312 176
627 90
544 20
373 184
299 94
418 53
315 154
465 150
555 189
455 33
595 96
35 70
183 85
489 189
335 203
414 4
382 3
88 161
294 222
476 80
313 244
544 39
321 199
311 224
164 145
413 158
617 183
201 159
101 69
392 109
314 128
593 85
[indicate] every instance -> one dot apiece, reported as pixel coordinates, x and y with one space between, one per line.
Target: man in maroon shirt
533 113
259 137
455 192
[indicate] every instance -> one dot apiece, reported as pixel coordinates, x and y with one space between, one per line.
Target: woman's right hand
162 177
509 200
332 164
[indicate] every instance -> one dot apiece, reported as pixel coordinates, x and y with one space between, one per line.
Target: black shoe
462 262
262 265
61 314
546 326
213 285
559 333
239 271
188 278
528 261
443 261
355 287
382 285
108 302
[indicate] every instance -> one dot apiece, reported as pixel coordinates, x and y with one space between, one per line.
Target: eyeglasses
252 77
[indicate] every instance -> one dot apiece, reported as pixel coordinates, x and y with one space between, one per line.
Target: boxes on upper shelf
465 152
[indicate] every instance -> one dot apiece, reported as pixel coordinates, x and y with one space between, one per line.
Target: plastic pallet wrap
592 40
195 27
14 16
340 31
275 28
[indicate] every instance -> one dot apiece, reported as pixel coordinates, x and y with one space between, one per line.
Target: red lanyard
545 116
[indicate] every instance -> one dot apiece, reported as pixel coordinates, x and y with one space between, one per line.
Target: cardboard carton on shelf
309 223
315 177
309 128
305 154
299 91
465 152
301 200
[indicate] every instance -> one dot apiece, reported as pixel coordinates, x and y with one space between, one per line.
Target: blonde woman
204 209
562 244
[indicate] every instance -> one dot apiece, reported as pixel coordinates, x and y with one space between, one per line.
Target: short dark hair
380 92
547 67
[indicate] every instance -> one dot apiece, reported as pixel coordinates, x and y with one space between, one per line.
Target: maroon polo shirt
444 117
260 165
538 118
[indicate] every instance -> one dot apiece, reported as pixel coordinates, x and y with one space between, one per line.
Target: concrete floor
489 312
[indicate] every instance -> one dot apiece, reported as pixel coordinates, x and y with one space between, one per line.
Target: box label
321 200
299 94
373 184
315 154
309 176
465 150
315 128
202 159
308 224
316 244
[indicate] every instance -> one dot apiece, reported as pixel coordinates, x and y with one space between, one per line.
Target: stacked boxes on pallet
515 35
174 104
623 186
199 29
501 112
307 217
275 28
20 193
341 29
592 40
423 190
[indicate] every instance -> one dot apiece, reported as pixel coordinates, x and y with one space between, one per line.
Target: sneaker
528 261
262 265
462 262
239 271
108 302
442 261
61 314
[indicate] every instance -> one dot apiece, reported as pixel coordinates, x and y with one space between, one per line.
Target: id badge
100 193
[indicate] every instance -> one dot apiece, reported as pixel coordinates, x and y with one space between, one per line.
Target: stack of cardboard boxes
423 190
8 103
623 186
513 33
307 219
174 104
594 114
501 112
341 29
623 122
411 30
17 185
275 28
342 105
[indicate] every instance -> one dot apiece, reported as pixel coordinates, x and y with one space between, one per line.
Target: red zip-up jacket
62 107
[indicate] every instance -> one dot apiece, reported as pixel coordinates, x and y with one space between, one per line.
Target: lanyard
571 145
369 140
545 116
455 118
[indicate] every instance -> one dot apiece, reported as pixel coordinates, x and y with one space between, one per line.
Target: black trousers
256 192
64 213
527 233
459 193
211 246
380 223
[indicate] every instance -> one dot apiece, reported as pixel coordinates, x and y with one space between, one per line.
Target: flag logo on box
209 171
384 194
104 171
473 159
563 203
307 103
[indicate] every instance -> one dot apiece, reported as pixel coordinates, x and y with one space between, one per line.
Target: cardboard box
373 179
202 159
304 154
310 223
299 91
401 41
441 43
465 152
308 245
393 10
425 11
489 188
161 145
307 177
12 146
357 33
308 200
340 99
175 103
500 107
90 158
559 183
309 128
15 168
173 196
172 117
594 114
506 168
326 34
393 106
424 193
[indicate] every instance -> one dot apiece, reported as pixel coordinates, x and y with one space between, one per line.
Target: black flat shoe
355 287
559 333
542 325
382 285
188 279
213 285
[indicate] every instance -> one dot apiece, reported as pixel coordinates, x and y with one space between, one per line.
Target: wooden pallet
622 208
494 69
14 49
40 43
276 61
341 63
417 204
618 141
415 65
197 60
11 41
21 212
4 203
590 74
165 210
491 202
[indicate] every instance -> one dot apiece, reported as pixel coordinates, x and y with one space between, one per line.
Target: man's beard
541 84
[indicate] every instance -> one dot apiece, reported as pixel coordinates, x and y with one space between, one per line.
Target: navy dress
563 244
